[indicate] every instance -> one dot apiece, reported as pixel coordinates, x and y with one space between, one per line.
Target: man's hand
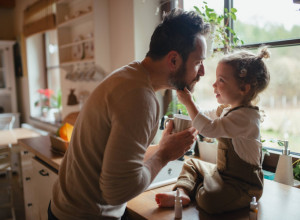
173 146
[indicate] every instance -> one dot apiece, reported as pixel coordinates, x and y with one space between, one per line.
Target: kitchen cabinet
83 60
38 179
30 200
8 100
44 177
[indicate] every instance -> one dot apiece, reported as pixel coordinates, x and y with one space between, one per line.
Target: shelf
63 1
78 20
74 43
5 91
72 62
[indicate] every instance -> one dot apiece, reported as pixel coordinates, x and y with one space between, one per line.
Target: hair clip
243 72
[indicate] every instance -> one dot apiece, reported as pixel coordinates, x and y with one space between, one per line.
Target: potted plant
219 29
296 169
48 101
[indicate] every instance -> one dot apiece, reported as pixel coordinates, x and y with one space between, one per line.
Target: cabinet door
44 178
8 101
30 201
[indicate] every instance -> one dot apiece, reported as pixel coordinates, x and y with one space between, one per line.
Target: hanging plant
219 28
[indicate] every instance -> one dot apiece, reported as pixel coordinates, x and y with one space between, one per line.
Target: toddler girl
237 177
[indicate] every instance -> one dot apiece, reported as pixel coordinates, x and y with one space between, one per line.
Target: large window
274 23
44 77
267 20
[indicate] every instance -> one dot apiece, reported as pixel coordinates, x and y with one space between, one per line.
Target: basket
58 144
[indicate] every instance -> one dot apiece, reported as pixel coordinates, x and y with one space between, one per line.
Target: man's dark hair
177 32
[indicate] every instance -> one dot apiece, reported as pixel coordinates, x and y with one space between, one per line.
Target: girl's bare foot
167 199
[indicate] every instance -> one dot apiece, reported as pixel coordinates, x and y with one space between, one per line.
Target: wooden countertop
12 136
41 147
278 202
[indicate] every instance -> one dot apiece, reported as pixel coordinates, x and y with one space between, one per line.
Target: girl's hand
185 96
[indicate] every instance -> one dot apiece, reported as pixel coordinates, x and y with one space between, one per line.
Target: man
108 161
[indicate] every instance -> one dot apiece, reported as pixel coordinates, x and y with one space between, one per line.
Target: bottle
178 205
284 169
253 209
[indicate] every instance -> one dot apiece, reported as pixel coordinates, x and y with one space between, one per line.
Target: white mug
181 122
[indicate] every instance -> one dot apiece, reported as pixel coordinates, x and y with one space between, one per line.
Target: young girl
237 176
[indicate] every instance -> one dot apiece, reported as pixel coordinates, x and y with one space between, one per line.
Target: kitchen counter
12 136
279 201
41 148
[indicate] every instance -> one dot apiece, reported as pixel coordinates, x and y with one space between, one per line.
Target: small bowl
58 144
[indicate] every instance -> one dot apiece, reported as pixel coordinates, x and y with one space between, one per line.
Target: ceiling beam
7 3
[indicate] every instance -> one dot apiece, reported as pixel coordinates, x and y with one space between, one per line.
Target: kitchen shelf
78 20
63 1
74 43
8 96
74 62
85 29
5 92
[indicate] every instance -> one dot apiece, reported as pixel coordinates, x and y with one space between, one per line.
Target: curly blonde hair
250 69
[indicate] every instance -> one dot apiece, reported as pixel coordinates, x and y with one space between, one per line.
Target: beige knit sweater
103 167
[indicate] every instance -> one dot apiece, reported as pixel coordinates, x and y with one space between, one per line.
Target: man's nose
201 71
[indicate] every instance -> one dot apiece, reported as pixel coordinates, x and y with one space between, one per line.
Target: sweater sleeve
123 174
233 125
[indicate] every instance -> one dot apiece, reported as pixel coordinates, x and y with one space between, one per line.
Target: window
43 75
279 28
255 24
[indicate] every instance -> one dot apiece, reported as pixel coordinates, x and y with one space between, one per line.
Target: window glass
204 92
267 20
52 63
281 100
44 76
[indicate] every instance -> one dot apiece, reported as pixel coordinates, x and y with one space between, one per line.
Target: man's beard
177 79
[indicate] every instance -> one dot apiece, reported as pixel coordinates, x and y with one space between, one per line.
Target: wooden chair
6 123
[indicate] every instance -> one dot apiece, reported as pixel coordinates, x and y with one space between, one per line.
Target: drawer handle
43 172
29 204
27 178
26 152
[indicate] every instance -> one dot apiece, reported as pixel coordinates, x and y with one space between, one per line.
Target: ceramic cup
181 122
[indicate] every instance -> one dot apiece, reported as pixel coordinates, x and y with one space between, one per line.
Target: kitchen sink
167 175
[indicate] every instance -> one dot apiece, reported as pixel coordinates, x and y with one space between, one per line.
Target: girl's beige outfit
232 182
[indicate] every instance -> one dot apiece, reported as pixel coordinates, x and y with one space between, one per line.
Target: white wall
121 20
145 22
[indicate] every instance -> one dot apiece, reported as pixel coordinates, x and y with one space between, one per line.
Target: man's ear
245 89
174 60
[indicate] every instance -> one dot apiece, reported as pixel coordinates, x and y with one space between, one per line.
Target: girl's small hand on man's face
183 95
